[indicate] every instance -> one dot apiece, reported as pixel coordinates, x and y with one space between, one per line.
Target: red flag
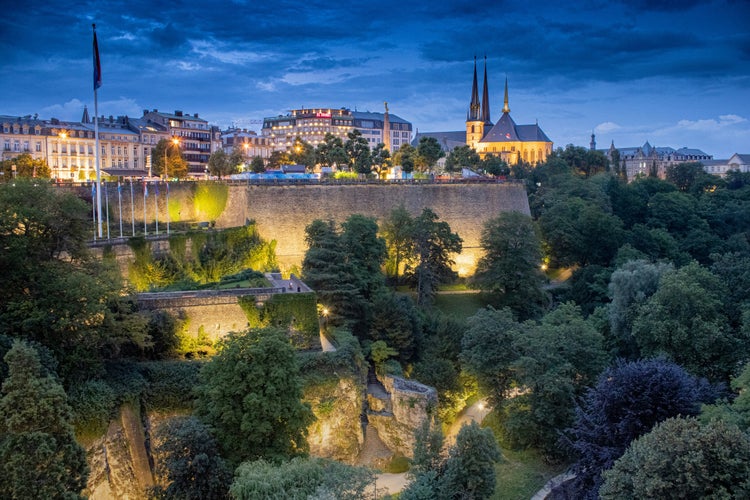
97 63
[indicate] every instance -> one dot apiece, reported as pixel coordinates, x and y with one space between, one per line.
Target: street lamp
176 142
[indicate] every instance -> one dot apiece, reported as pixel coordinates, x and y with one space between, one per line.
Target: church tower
474 118
592 144
486 99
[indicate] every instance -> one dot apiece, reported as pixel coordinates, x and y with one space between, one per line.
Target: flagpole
119 201
93 208
156 206
145 193
97 84
167 207
106 199
132 206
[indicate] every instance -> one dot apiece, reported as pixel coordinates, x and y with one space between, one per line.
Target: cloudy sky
671 72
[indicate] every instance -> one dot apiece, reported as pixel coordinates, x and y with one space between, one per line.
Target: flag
97 63
156 184
119 188
145 189
93 191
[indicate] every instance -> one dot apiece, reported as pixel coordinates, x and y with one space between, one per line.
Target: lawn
522 473
460 304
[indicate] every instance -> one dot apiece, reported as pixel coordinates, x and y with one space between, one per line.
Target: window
7 145
38 147
91 150
26 146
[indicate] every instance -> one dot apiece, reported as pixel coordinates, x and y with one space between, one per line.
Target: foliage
627 401
629 287
380 352
685 320
468 471
331 151
26 167
169 384
176 165
433 244
301 479
221 164
397 321
217 257
428 153
249 394
406 156
558 358
738 411
358 150
510 265
39 457
93 403
461 157
397 229
257 165
210 200
487 351
680 458
190 462
470 468
296 312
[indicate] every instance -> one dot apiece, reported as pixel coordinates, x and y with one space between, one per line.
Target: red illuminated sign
322 115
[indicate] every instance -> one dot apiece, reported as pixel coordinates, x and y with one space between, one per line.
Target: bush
170 384
93 403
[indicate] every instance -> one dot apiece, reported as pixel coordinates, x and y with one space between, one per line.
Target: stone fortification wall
282 212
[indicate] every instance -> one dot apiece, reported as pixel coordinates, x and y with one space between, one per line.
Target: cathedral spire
85 118
486 97
474 108
506 108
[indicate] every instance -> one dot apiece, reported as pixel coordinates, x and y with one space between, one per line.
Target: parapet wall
283 212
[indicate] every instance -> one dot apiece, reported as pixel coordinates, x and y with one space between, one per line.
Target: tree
397 230
738 411
257 165
250 395
428 152
301 478
470 468
366 252
680 458
431 264
277 159
510 266
358 150
487 351
558 358
303 153
584 161
494 165
397 322
331 151
685 320
39 456
26 167
462 157
685 175
190 462
626 402
175 166
221 164
381 158
629 287
406 156
62 303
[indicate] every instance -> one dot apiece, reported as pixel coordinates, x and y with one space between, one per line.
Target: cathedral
513 143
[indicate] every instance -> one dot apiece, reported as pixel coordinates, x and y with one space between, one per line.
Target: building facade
649 160
312 125
249 143
197 138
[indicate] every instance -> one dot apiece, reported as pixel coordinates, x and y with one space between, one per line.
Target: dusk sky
671 72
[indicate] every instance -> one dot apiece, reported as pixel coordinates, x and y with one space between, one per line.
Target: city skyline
671 73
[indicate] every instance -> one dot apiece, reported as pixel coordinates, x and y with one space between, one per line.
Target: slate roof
367 115
506 130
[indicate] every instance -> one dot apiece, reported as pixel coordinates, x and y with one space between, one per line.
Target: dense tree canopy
510 267
222 164
26 167
175 166
434 244
39 456
250 396
627 401
680 458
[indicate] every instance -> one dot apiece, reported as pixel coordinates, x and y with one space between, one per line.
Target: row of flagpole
96 194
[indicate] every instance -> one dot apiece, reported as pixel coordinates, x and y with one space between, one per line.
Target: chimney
178 113
196 115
